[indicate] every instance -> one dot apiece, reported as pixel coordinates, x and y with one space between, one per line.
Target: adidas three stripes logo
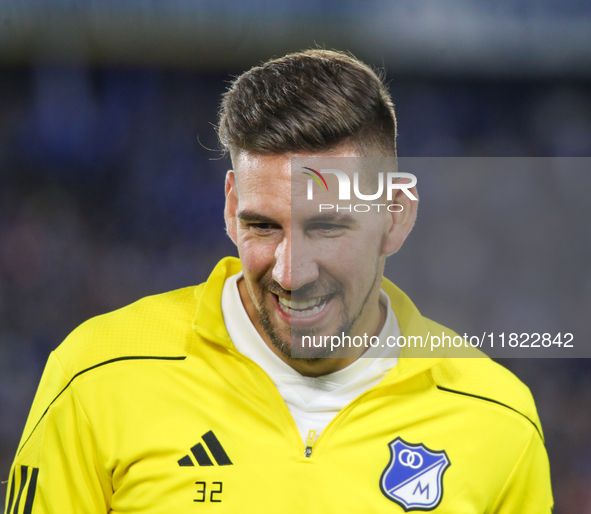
202 457
26 490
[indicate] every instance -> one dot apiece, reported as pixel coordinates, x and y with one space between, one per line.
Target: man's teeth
304 307
296 304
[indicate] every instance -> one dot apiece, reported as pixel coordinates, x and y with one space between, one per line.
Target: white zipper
310 443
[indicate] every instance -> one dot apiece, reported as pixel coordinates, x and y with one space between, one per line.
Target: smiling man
308 273
212 399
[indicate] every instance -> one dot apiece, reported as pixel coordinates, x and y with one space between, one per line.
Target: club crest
414 476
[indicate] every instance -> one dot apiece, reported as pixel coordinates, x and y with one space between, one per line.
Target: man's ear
400 223
231 206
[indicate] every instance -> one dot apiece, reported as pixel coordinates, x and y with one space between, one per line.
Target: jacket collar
209 322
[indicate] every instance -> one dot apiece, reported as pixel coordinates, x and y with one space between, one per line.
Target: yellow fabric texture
128 400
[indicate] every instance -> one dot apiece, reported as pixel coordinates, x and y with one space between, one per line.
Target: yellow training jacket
150 409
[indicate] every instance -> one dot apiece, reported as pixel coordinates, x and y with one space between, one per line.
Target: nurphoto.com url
436 341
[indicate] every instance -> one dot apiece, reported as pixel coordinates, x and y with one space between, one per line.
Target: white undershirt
313 402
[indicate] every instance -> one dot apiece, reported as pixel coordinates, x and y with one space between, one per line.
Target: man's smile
303 313
301 308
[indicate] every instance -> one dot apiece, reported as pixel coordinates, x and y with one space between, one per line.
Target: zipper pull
310 443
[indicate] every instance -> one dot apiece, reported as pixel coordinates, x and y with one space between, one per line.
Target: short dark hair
309 101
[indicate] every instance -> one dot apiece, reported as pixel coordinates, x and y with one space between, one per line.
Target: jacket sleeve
528 489
57 466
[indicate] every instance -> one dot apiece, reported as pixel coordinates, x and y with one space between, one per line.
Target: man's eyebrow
251 216
329 217
254 216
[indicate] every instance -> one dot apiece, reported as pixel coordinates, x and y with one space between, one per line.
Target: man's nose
294 264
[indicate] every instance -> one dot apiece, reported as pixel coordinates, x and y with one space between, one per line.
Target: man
208 399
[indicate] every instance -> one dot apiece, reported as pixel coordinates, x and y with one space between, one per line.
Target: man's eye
262 227
327 227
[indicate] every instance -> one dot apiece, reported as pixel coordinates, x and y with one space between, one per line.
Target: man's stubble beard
285 346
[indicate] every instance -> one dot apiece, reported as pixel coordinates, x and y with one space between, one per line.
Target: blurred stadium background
111 182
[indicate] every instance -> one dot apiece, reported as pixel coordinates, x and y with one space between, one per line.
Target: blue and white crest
414 476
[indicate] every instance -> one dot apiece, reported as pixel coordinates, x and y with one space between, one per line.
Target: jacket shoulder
481 378
477 376
155 326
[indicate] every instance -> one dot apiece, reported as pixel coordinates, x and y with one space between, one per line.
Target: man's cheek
337 253
255 257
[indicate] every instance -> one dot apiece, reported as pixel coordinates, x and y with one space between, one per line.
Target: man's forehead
261 175
254 169
245 160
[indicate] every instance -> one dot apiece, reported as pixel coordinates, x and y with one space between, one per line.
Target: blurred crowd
111 188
